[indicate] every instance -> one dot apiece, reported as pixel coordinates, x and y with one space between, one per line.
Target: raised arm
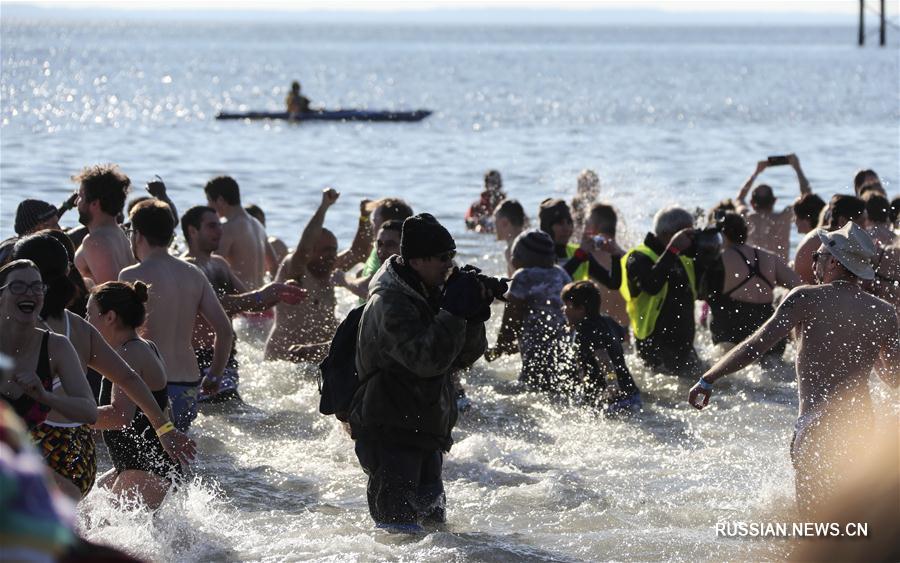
157 189
788 315
296 262
801 177
745 189
362 241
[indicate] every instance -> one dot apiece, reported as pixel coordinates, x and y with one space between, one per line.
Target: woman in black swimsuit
40 357
142 468
739 286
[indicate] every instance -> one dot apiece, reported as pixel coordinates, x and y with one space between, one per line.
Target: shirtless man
769 229
178 292
244 243
843 332
203 232
309 326
105 251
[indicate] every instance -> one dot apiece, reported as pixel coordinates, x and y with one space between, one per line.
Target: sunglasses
21 288
817 255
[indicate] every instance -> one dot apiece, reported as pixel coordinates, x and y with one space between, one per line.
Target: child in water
533 314
597 349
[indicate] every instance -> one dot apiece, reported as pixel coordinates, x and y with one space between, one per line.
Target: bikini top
30 410
752 272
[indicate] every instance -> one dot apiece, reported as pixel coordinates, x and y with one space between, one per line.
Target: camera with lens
708 242
496 287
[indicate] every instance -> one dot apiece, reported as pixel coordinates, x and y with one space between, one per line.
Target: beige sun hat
852 246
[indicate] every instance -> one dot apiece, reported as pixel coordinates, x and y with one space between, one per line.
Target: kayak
335 115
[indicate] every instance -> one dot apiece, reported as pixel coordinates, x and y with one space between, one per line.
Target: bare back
103 254
771 231
243 245
177 291
141 357
750 288
842 333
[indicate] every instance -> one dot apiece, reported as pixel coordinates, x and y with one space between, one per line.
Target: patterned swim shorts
69 451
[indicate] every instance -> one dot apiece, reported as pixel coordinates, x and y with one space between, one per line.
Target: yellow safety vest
581 273
643 308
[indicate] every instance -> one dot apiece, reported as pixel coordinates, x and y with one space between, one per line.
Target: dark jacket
675 325
406 350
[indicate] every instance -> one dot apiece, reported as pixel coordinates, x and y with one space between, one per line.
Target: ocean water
664 115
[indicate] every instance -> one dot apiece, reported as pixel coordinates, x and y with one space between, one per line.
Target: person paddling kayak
296 102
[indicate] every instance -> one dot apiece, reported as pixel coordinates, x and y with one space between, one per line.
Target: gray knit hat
534 249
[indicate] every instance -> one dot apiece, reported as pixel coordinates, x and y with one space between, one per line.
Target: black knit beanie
551 212
422 236
31 213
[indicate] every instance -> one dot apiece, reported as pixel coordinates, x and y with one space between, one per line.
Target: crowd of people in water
115 327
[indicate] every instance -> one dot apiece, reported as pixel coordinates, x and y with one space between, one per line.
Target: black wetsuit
137 446
734 320
670 347
601 332
31 411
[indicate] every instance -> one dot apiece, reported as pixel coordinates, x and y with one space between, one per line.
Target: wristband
165 429
674 250
704 384
581 255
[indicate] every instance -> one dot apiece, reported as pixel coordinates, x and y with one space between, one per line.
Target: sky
800 12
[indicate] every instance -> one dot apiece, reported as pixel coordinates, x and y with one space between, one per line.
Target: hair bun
141 291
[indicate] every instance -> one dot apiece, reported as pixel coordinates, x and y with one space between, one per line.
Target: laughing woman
41 358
